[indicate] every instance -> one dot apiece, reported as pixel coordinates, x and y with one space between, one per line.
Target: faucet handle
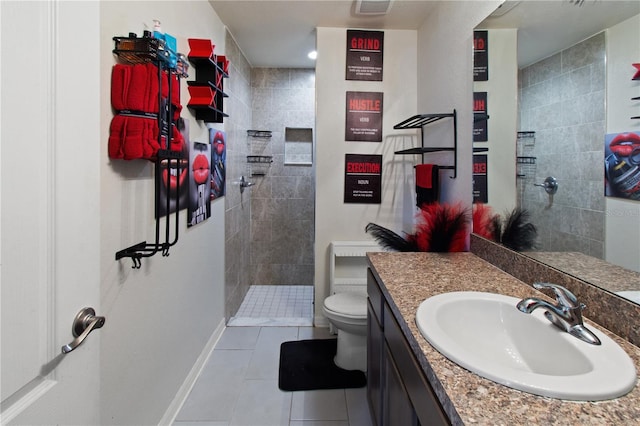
563 296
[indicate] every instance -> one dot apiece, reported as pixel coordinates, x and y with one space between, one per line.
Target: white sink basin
486 334
633 295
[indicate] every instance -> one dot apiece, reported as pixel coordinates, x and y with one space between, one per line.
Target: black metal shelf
211 70
133 50
419 122
259 159
259 133
526 160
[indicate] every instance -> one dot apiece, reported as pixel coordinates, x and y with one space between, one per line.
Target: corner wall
502 107
282 200
161 317
334 219
237 205
563 101
445 81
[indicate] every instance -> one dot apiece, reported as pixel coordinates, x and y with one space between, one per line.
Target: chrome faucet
566 314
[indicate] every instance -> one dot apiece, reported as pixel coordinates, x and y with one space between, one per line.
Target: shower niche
298 146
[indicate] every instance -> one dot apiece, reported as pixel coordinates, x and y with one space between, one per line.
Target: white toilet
346 306
347 312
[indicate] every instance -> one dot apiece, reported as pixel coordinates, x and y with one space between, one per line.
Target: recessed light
312 55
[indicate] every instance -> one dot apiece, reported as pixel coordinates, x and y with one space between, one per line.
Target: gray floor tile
218 387
305 333
358 407
330 404
238 338
266 356
261 403
200 423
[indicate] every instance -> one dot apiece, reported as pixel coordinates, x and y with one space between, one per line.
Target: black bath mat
308 365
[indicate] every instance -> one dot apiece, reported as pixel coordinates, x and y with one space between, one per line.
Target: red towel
424 173
132 138
135 88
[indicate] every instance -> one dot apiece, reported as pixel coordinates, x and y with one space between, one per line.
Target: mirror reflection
560 88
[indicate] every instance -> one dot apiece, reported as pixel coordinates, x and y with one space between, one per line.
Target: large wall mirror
560 83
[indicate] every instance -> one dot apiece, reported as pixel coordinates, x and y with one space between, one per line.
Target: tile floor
239 384
276 305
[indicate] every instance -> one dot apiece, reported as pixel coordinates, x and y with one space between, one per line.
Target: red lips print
624 144
200 169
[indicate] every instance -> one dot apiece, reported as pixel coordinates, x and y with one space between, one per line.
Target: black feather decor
518 233
497 228
389 239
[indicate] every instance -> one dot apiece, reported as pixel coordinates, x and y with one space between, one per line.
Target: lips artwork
622 165
199 188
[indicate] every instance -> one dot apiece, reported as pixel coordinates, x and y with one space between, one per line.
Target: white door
49 209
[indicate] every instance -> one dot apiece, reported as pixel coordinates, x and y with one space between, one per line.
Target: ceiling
547 27
279 34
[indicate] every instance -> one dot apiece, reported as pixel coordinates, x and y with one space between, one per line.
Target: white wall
502 107
343 222
160 317
622 224
445 70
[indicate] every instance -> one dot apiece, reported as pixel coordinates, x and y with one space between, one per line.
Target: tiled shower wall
237 206
562 99
282 201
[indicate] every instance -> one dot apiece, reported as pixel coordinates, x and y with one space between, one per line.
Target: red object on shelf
202 96
201 48
223 63
637 74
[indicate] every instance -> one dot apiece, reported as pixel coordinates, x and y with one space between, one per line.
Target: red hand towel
424 172
120 81
136 89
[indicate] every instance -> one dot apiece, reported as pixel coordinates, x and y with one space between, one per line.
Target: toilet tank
348 265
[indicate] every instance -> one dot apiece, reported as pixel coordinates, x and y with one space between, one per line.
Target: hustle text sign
364 116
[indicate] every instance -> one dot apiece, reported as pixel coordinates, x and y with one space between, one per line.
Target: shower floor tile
275 305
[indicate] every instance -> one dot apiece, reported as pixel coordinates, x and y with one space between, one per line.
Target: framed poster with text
479 116
363 117
480 55
480 192
363 179
364 55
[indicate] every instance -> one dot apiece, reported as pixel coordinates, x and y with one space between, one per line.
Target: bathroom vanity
411 383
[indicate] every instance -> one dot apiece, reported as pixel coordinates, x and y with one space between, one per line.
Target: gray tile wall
282 201
237 206
562 99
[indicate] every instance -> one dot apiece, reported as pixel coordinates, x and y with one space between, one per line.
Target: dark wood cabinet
397 388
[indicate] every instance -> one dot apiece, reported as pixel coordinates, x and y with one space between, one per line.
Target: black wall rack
133 50
419 122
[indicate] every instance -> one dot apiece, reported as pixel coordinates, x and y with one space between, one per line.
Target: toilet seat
347 304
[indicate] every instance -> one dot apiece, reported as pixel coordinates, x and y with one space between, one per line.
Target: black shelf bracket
419 122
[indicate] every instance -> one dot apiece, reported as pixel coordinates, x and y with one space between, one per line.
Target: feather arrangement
439 228
485 222
389 239
518 233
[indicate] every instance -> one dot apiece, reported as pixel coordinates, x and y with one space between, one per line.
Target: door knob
85 322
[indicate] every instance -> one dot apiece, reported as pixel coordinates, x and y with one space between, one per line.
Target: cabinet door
397 406
375 340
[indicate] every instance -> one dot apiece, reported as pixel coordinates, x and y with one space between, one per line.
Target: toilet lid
348 303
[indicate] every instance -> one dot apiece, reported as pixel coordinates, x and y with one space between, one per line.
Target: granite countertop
591 269
409 278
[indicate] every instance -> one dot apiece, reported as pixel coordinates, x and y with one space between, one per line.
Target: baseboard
175 406
320 321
